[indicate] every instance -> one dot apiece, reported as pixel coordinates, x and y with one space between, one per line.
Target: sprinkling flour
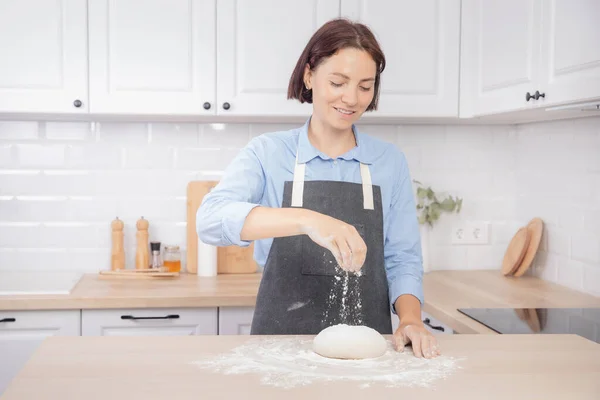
350 312
291 362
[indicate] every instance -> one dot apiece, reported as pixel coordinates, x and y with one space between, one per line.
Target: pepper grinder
117 260
156 258
142 258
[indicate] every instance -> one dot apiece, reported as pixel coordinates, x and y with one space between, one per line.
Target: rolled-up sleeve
403 259
221 216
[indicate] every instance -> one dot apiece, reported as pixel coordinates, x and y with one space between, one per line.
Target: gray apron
303 290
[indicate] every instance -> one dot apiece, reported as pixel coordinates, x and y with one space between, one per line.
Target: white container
207 259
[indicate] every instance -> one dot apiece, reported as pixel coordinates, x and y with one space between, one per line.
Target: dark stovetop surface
580 321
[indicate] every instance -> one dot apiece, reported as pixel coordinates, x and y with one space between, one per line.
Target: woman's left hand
424 343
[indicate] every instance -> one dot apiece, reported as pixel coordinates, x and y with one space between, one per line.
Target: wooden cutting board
516 251
230 259
535 228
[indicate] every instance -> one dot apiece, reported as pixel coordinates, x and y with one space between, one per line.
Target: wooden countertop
490 367
94 291
445 291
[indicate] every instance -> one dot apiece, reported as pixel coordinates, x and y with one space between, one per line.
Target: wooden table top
488 367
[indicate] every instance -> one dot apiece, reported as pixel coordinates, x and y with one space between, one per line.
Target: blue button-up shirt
256 178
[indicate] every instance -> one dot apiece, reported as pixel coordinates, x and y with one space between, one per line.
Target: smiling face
342 87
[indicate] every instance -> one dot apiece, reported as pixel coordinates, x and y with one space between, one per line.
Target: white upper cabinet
570 65
152 56
500 55
521 54
258 45
43 56
420 40
221 58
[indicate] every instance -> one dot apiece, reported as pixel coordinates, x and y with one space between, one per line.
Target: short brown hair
333 36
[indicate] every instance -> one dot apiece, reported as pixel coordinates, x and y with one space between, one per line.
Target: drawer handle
8 320
170 316
427 322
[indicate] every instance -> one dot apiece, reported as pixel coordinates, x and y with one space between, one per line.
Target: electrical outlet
471 232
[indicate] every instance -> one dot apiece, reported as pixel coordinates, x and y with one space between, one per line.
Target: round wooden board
516 251
533 320
535 228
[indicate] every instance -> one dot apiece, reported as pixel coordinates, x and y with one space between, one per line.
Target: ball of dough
349 342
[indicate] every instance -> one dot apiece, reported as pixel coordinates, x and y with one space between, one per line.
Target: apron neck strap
298 185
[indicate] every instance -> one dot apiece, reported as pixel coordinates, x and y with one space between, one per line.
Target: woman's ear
307 77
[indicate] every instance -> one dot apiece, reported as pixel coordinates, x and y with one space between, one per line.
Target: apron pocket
317 260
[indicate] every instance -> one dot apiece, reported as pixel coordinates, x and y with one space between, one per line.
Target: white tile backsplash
6 156
40 155
62 183
19 130
68 130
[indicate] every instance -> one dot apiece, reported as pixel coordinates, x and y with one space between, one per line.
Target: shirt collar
306 151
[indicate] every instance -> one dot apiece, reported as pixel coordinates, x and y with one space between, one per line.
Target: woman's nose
350 97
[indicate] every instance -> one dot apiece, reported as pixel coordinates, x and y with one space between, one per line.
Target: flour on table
291 362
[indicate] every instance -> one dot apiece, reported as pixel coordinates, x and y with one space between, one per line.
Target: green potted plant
430 207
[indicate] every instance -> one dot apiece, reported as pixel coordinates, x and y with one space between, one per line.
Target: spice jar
172 259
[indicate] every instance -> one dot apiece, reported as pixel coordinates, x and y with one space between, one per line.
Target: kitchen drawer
149 322
435 326
431 324
21 333
235 320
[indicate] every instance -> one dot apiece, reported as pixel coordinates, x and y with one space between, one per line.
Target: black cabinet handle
206 106
8 320
77 103
535 96
171 316
427 322
226 106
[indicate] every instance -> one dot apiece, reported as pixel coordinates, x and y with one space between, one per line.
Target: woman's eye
365 89
335 84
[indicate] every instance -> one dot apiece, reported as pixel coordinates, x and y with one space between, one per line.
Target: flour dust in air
344 305
291 362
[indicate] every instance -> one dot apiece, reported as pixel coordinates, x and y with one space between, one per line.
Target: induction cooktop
584 322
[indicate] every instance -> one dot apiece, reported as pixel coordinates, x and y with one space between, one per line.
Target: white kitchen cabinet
43 52
500 57
258 45
152 56
421 43
21 333
235 320
527 54
431 324
570 60
149 322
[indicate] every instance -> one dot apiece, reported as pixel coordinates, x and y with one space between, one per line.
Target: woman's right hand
342 239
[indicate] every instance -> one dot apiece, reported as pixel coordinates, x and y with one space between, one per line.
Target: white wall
61 184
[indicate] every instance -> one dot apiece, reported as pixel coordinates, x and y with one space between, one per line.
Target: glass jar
172 259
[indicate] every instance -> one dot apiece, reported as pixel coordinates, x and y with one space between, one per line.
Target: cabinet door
570 67
149 322
235 320
500 55
21 332
258 45
420 40
152 56
43 48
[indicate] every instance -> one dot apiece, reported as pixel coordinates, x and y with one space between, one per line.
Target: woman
331 209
